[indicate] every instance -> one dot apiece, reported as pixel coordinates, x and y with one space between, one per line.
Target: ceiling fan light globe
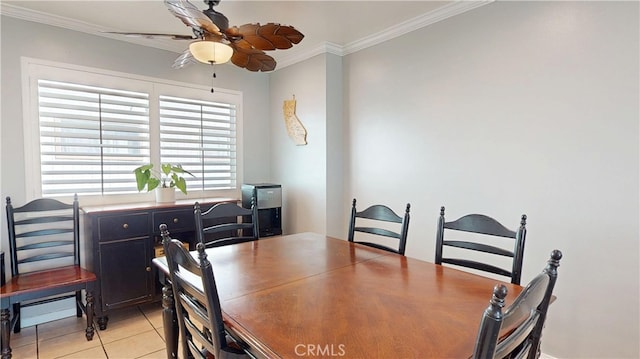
211 52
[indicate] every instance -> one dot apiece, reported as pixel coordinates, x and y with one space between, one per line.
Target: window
201 136
91 138
87 129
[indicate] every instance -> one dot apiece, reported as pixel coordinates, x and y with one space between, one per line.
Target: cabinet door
126 272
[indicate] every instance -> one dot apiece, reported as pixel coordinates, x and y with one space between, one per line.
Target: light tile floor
134 332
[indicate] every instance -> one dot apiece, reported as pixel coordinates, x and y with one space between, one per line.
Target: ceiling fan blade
280 33
184 60
191 15
270 36
149 35
252 59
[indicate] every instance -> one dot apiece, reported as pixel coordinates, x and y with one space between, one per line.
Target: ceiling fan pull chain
213 77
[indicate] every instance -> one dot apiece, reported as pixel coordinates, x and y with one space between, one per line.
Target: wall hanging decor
295 129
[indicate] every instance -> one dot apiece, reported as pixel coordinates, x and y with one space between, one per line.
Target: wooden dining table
310 295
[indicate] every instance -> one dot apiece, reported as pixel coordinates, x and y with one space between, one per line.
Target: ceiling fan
215 42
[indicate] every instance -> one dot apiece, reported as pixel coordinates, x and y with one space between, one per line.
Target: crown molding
455 8
324 48
81 26
48 19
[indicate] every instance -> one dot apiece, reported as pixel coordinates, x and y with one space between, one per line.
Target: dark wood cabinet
121 241
125 273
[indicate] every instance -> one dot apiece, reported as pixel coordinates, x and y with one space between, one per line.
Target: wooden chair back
516 331
484 227
43 234
226 223
380 213
200 322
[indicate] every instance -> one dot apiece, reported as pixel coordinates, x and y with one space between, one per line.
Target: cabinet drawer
123 226
176 220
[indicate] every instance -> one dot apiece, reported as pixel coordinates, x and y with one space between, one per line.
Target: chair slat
378 231
476 265
43 204
45 232
46 219
46 244
479 223
380 213
480 247
42 257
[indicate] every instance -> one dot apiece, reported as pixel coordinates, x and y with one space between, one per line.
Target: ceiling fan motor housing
217 18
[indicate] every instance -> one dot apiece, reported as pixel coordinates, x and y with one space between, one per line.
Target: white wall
516 107
301 170
336 156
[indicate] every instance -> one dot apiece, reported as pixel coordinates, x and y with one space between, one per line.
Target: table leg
170 321
6 333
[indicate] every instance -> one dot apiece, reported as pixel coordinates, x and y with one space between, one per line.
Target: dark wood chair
516 332
226 223
380 213
197 303
483 227
44 249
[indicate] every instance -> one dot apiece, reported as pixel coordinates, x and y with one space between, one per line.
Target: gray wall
527 107
516 107
311 175
301 169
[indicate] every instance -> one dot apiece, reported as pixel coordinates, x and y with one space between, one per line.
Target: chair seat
50 279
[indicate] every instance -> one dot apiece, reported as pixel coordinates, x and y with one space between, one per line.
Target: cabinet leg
170 321
102 322
6 333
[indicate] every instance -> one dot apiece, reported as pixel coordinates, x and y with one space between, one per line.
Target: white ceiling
338 27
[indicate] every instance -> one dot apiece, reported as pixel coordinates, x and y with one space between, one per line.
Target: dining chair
484 229
44 251
376 215
226 223
200 322
516 331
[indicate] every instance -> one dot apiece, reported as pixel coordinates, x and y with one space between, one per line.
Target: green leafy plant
169 176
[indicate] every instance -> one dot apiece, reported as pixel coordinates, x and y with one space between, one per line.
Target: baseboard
38 314
546 356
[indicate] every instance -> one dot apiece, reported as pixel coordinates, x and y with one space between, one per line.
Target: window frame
35 69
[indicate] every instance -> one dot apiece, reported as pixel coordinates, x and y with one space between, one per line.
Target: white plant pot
164 195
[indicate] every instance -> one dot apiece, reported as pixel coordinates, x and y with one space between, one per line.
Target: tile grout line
37 342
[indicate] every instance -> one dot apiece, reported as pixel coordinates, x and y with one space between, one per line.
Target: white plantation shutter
200 135
87 129
91 138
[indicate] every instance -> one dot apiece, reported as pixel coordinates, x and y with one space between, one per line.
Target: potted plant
166 180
